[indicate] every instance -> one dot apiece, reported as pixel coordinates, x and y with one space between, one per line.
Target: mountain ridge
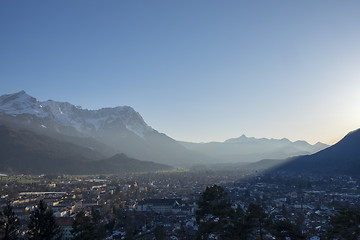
113 130
340 158
250 149
67 114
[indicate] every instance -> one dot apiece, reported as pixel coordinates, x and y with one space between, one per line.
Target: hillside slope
23 151
341 158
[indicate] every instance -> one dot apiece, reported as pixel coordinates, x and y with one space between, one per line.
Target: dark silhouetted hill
341 158
121 163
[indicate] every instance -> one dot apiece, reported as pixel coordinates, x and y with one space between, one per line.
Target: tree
82 227
284 230
256 220
42 224
240 227
9 223
345 225
160 233
88 227
99 226
215 214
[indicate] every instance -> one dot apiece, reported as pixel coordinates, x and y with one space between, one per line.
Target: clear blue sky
195 70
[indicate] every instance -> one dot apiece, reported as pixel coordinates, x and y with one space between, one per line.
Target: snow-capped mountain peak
87 122
20 103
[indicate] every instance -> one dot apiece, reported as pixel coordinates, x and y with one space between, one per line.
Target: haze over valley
69 133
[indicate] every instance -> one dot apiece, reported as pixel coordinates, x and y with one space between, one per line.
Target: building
159 205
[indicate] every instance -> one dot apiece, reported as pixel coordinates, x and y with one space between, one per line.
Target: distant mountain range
68 132
341 158
245 149
23 151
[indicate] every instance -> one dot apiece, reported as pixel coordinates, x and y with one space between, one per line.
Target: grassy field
20 179
28 179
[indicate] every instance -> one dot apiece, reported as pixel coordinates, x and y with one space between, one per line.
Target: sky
198 71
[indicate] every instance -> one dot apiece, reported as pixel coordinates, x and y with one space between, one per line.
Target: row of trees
217 218
42 225
9 223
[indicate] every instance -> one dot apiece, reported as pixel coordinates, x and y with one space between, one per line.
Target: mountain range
249 149
96 135
107 131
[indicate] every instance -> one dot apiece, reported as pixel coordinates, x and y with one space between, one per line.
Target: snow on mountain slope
20 103
65 114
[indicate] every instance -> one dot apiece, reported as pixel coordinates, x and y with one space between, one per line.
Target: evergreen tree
82 227
283 230
215 214
345 225
88 227
160 233
256 221
9 223
240 227
100 230
42 224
